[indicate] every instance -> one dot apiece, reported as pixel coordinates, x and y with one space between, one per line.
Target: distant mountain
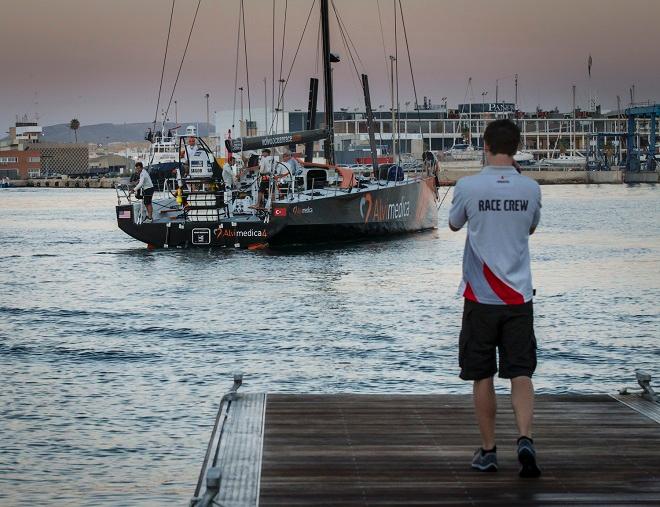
103 133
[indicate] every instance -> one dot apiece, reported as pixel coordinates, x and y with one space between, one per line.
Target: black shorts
147 195
263 185
507 328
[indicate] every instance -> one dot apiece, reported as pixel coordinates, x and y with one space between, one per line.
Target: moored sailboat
323 203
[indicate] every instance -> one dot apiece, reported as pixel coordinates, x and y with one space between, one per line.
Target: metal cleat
646 391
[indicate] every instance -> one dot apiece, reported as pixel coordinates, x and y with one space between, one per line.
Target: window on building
11 173
437 127
34 173
34 160
8 160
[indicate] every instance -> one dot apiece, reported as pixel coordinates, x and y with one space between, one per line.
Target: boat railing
123 191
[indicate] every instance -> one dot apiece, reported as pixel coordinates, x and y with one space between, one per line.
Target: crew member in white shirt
287 171
501 208
147 188
266 170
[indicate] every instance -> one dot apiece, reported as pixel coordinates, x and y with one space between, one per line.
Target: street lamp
208 120
483 118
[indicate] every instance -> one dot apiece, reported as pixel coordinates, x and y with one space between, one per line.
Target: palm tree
75 125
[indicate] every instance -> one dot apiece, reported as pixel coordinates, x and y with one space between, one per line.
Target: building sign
488 107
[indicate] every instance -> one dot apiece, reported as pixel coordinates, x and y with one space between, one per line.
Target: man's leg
522 400
150 210
485 407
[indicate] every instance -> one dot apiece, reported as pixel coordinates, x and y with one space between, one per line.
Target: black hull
392 209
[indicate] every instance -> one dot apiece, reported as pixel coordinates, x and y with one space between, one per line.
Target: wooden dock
370 450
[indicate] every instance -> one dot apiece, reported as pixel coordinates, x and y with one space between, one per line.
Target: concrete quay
544 177
68 183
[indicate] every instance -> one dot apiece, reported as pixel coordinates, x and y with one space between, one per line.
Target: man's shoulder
469 182
530 182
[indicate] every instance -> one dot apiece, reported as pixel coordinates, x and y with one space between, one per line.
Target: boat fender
179 196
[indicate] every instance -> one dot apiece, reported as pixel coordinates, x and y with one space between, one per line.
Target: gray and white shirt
500 207
145 181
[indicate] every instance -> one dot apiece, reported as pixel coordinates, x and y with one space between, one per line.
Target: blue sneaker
485 461
527 458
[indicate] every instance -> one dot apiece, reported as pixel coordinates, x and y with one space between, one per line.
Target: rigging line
348 34
343 36
272 84
286 8
185 51
443 197
382 38
286 81
280 93
395 131
247 69
348 50
238 46
162 73
412 75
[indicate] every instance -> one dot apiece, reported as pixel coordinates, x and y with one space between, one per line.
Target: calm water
113 359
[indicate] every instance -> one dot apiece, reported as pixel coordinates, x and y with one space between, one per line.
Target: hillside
103 133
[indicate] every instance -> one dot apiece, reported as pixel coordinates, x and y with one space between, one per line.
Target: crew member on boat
146 187
288 169
228 176
266 170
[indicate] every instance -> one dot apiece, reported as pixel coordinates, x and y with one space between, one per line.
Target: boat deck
359 450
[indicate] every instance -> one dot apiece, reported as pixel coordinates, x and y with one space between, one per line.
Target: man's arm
457 213
537 214
140 183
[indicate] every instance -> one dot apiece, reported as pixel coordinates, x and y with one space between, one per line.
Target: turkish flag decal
279 212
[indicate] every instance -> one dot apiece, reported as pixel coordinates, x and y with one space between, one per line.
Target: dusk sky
100 60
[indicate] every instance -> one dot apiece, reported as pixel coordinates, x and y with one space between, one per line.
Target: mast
394 124
573 128
329 145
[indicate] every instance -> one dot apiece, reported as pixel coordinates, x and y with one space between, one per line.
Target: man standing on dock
502 209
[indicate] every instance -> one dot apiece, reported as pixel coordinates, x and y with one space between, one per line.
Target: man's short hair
266 151
138 164
502 136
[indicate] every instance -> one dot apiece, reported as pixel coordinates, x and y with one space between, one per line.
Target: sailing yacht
224 206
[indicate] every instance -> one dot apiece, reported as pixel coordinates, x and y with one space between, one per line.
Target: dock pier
415 449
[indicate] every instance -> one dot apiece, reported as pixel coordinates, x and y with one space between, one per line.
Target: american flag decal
124 215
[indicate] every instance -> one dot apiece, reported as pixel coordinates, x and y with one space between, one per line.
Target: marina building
23 155
545 134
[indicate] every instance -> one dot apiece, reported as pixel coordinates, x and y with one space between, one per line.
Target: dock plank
365 450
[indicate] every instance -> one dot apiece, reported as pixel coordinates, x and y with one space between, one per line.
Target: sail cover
261 142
